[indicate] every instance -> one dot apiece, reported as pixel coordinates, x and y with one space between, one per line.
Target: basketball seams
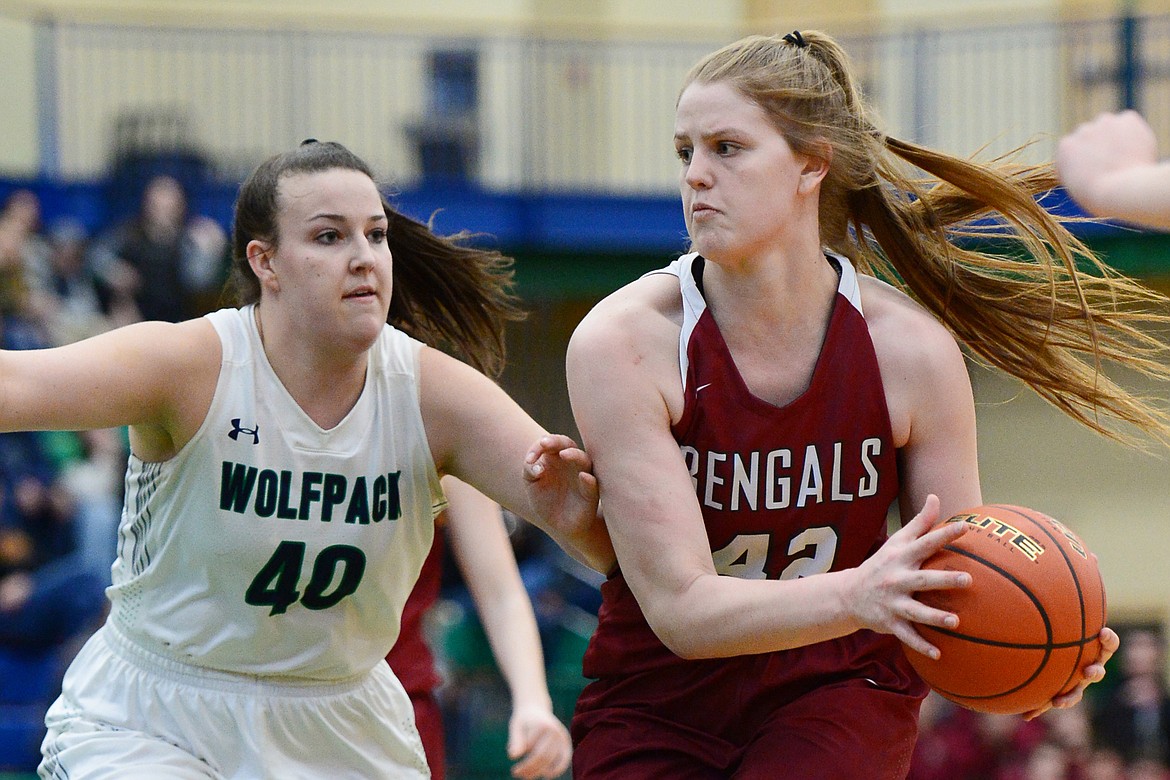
1041 663
1072 569
1012 645
1007 575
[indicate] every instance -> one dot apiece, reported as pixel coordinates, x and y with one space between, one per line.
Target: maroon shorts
843 729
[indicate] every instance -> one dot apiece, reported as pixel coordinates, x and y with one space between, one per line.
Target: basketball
1029 621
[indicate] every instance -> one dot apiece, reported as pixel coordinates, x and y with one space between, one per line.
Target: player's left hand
538 743
564 494
1094 672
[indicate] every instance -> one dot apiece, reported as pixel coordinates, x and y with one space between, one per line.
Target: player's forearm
511 629
1139 195
719 617
589 546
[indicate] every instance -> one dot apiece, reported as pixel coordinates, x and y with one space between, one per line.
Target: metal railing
557 115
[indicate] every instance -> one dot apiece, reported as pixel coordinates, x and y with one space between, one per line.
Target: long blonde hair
969 241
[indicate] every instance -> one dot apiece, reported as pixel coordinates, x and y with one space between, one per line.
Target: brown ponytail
450 295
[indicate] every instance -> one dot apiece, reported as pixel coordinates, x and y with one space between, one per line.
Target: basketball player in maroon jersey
754 410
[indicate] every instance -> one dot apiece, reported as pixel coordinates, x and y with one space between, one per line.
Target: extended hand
883 594
1101 164
1094 672
564 497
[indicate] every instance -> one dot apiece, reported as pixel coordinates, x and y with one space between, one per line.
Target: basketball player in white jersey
281 491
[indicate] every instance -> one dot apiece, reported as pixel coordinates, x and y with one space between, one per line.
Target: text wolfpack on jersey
783 478
313 495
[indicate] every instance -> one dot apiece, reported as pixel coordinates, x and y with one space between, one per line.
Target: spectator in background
170 262
56 533
1134 718
67 296
1056 746
1046 761
47 294
21 247
949 745
1071 730
960 744
21 228
1008 742
1110 167
1104 764
1147 769
90 468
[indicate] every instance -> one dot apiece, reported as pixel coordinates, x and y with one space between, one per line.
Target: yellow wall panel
18 122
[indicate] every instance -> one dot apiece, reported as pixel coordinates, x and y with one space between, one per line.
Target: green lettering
266 493
285 510
335 490
392 496
359 504
235 486
309 491
275 585
379 499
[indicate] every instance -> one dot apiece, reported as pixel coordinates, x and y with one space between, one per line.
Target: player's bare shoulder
632 323
905 335
923 370
628 344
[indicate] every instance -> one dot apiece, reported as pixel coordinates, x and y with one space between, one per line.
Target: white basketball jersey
270 546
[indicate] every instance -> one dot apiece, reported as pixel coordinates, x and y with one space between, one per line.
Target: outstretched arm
157 378
480 435
1110 167
537 741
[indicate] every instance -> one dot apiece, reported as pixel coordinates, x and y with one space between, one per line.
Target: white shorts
129 714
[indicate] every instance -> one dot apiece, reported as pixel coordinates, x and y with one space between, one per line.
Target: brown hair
446 293
451 295
968 240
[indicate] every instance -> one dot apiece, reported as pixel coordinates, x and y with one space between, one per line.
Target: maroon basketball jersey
785 492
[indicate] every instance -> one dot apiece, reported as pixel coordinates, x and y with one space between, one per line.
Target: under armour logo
237 430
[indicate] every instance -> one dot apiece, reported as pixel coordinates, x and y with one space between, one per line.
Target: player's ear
260 256
815 168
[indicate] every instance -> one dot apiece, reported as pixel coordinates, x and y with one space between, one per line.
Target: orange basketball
1029 621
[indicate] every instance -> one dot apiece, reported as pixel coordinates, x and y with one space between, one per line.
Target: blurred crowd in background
60 501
